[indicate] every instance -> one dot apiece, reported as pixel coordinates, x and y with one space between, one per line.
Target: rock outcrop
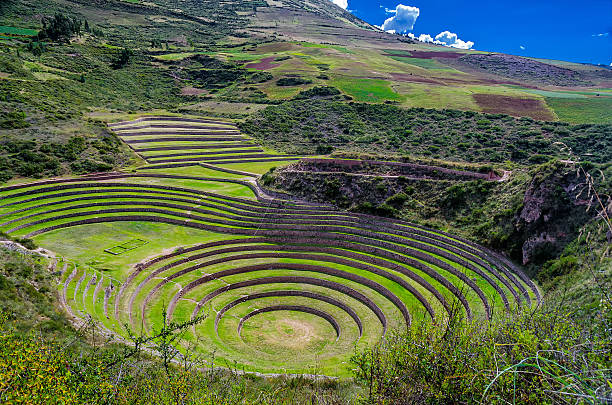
552 212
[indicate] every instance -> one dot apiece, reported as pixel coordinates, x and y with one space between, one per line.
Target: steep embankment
530 213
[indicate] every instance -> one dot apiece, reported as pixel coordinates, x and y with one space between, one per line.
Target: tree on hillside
60 28
37 48
123 59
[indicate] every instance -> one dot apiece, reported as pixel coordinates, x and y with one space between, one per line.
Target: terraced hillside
173 141
285 286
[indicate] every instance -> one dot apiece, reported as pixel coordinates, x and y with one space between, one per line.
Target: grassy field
17 31
582 110
367 90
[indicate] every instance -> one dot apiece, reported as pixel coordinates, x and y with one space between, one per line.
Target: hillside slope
313 41
277 187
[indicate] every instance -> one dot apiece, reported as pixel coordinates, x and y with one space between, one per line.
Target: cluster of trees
36 47
61 28
318 92
292 81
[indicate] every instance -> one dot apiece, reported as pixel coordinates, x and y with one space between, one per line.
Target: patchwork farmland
282 285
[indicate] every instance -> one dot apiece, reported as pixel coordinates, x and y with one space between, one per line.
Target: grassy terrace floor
286 286
174 140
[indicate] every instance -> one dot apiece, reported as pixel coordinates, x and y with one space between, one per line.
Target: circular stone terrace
282 285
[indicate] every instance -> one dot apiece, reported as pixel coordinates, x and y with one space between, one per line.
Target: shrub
259 77
268 177
90 166
27 243
533 357
318 92
292 81
122 59
13 120
559 267
538 159
397 200
324 149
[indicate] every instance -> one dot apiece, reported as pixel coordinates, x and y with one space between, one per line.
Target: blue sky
577 31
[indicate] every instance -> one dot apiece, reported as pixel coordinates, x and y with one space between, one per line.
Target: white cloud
445 38
403 20
425 38
605 34
450 39
341 3
522 47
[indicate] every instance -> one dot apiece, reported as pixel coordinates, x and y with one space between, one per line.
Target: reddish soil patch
264 64
275 47
486 81
434 54
407 77
191 91
606 84
496 104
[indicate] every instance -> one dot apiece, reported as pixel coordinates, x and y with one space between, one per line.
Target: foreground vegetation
534 357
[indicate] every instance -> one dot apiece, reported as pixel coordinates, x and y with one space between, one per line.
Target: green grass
324 46
582 111
202 171
232 349
256 167
126 246
82 244
18 31
176 56
556 94
423 63
178 143
367 90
